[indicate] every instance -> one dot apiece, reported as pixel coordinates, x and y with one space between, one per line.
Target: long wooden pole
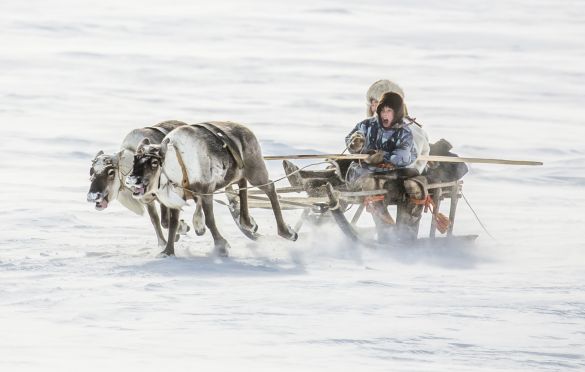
318 156
453 159
442 159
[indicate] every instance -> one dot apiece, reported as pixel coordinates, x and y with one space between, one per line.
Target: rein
194 194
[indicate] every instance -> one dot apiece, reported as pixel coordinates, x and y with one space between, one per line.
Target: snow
85 290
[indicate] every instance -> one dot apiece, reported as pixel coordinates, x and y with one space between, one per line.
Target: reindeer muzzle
101 201
136 185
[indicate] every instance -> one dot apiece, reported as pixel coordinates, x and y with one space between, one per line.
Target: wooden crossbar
440 159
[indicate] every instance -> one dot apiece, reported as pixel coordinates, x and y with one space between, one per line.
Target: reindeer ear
164 147
144 142
98 154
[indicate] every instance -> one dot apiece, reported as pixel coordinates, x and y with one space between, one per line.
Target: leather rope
443 221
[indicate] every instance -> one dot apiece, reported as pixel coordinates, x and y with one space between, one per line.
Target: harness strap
228 143
159 129
119 170
185 180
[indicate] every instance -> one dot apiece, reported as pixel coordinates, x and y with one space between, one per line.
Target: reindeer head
105 181
146 171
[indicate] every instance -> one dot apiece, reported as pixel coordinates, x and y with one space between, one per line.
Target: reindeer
195 161
108 171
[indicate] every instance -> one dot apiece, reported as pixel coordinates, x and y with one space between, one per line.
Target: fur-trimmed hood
377 89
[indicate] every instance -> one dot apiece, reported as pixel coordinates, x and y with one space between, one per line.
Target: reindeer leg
153 214
164 216
173 226
198 223
260 178
221 245
183 228
245 220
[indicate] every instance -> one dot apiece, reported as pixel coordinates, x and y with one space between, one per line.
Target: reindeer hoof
252 227
222 249
166 253
198 226
290 234
162 243
183 227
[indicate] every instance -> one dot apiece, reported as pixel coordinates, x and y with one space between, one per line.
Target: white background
84 290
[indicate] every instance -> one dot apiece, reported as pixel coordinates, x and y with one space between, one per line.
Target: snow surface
84 290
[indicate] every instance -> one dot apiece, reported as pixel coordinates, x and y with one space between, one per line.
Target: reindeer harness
227 143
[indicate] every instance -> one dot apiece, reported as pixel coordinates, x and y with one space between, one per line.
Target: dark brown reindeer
196 160
107 173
